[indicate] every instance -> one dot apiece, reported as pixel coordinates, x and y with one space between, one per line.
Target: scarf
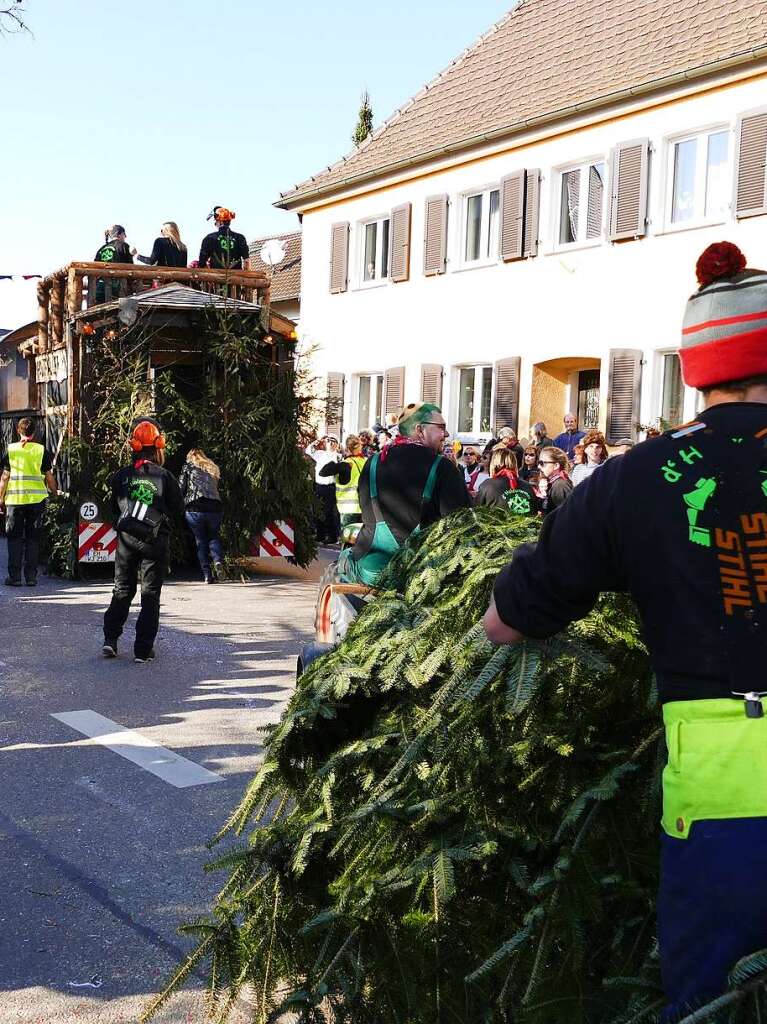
398 440
510 475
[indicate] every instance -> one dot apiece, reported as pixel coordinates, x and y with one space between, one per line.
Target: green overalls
385 545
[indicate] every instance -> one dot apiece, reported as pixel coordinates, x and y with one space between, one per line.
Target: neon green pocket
717 764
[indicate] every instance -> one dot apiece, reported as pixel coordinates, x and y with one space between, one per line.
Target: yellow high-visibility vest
347 495
27 483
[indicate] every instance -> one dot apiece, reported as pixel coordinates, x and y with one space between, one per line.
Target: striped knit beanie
724 334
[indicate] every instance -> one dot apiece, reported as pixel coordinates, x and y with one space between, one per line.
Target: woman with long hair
554 485
505 488
595 452
168 250
203 510
528 471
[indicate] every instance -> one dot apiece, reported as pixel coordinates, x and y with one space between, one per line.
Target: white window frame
583 203
484 261
689 407
476 431
376 391
699 218
376 282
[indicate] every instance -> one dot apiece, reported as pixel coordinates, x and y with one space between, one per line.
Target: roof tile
286 280
545 56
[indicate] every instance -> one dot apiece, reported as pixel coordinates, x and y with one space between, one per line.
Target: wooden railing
68 291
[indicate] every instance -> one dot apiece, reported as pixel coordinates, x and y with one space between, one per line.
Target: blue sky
158 109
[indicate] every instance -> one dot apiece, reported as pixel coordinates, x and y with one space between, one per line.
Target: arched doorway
568 384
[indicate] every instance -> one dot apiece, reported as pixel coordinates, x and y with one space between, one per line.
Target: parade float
200 349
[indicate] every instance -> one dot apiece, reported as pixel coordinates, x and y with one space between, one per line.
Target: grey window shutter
624 392
399 265
595 205
339 257
512 216
431 383
506 393
394 390
435 236
532 212
751 164
628 189
334 404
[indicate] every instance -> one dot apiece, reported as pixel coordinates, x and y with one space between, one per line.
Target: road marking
165 764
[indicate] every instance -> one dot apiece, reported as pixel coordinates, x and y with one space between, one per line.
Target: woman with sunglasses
529 471
554 485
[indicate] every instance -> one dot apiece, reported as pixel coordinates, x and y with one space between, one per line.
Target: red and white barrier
96 542
277 540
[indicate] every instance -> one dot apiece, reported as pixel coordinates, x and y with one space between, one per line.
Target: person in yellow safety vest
347 475
26 480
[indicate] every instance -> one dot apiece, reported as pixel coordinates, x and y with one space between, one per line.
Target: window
375 255
369 400
475 390
482 222
672 390
699 178
582 203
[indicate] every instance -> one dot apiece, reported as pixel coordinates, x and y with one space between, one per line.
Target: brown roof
540 62
286 282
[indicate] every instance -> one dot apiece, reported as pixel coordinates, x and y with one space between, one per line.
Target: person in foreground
145 497
681 523
26 480
406 487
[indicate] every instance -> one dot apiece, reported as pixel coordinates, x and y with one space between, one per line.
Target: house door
588 399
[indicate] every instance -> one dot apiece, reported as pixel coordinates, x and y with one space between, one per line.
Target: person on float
145 498
114 250
26 480
224 249
681 523
168 249
404 488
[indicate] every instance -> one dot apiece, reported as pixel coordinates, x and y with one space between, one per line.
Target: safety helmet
146 434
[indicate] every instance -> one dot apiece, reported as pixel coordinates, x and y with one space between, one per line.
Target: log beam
42 317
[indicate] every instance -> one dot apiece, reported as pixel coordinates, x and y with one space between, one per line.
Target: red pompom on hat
724 334
722 259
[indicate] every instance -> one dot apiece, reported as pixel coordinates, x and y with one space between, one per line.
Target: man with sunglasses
404 488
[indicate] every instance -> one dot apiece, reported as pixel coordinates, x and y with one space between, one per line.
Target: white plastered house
519 239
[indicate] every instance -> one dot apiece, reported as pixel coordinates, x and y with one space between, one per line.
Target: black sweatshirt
630 527
165 254
401 477
113 252
224 248
152 485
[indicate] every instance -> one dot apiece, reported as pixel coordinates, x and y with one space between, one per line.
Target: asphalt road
100 859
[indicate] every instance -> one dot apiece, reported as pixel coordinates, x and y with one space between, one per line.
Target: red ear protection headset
146 435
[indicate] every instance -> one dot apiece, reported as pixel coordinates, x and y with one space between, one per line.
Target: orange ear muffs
146 435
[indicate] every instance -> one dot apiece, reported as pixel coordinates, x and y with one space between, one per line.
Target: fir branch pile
447 831
440 824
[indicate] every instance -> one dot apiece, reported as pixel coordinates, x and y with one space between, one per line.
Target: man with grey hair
570 436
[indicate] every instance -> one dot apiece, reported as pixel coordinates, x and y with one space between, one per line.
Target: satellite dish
272 252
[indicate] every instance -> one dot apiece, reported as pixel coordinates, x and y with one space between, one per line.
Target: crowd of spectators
529 476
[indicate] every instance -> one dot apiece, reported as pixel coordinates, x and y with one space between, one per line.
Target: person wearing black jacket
505 488
145 497
404 488
224 248
168 250
680 522
114 250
